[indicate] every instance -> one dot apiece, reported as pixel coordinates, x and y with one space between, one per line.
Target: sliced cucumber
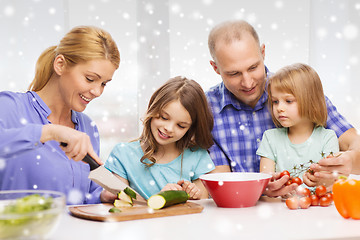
167 198
114 210
122 203
123 196
130 192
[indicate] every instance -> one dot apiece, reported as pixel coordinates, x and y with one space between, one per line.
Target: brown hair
192 97
228 32
81 44
304 83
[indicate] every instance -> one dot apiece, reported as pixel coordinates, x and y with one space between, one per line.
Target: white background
160 39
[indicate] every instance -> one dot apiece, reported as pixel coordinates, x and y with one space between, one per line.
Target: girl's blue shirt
124 160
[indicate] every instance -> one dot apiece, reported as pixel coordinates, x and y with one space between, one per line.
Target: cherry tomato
329 195
292 203
303 192
320 191
314 200
305 202
325 201
283 173
297 180
289 182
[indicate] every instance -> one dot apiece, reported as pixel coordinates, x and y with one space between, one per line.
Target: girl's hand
309 179
312 180
171 186
276 187
107 197
189 187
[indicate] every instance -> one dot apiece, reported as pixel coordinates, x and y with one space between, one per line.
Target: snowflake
279 4
75 196
52 11
126 15
175 8
350 32
321 33
9 11
57 28
2 164
23 121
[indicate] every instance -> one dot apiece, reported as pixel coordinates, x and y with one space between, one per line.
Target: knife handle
88 159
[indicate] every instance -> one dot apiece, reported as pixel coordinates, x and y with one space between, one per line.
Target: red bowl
235 189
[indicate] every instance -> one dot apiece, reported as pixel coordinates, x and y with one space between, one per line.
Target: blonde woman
298 109
32 124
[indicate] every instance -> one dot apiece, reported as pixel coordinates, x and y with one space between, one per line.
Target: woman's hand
107 197
276 187
189 187
78 144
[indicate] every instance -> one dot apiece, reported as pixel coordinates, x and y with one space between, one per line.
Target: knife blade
105 178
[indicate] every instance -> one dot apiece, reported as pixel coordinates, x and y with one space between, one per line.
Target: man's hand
331 167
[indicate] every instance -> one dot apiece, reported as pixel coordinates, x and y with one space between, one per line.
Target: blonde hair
192 97
81 44
228 32
304 84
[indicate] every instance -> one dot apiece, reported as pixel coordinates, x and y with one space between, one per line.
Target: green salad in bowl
29 214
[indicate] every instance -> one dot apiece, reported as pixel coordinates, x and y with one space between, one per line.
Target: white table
266 220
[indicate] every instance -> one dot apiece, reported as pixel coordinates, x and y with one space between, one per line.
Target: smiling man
239 106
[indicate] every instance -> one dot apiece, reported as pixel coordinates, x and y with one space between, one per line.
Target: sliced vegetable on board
346 196
121 203
130 192
123 196
167 198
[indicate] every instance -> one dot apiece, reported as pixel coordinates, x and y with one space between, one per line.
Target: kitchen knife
105 178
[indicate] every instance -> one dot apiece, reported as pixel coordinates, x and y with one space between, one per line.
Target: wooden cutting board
100 212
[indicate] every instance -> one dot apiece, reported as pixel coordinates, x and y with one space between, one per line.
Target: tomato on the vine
314 200
320 191
283 173
329 195
289 182
302 191
305 202
297 180
325 201
292 203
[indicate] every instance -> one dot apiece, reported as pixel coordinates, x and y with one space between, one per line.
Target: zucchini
167 198
114 210
123 196
121 203
130 192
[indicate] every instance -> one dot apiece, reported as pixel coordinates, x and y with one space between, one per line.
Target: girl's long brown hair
192 97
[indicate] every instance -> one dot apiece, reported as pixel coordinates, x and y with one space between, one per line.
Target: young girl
171 152
297 105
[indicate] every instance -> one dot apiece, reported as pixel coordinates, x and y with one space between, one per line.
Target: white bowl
34 218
